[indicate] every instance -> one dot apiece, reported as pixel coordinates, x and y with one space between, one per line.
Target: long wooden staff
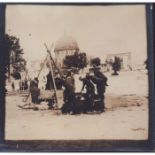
59 71
52 74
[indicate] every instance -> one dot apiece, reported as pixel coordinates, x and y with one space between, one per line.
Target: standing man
90 92
69 86
101 82
69 94
34 90
13 86
70 80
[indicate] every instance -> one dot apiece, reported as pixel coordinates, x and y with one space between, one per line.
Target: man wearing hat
101 82
90 92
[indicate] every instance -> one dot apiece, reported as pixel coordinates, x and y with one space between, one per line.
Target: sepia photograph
76 72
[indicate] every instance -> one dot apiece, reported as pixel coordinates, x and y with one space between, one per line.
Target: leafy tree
14 54
78 60
95 62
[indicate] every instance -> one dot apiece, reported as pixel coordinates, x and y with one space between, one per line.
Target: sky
99 30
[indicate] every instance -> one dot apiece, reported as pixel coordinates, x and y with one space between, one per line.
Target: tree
78 60
95 62
14 52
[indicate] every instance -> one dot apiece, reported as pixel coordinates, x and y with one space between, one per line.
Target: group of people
23 85
83 102
74 102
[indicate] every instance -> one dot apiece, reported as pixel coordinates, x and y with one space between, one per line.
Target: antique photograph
76 72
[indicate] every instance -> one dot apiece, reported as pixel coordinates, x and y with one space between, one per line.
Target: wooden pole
52 73
48 51
54 84
42 66
45 60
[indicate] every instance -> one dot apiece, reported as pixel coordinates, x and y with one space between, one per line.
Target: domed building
65 46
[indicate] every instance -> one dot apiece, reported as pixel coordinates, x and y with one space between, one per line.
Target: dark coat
90 89
101 82
35 91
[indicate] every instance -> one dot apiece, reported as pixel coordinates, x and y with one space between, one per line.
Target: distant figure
109 63
35 91
101 82
90 92
49 83
13 86
58 82
20 85
25 84
116 65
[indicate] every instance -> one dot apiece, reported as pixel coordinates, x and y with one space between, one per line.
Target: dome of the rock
66 43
